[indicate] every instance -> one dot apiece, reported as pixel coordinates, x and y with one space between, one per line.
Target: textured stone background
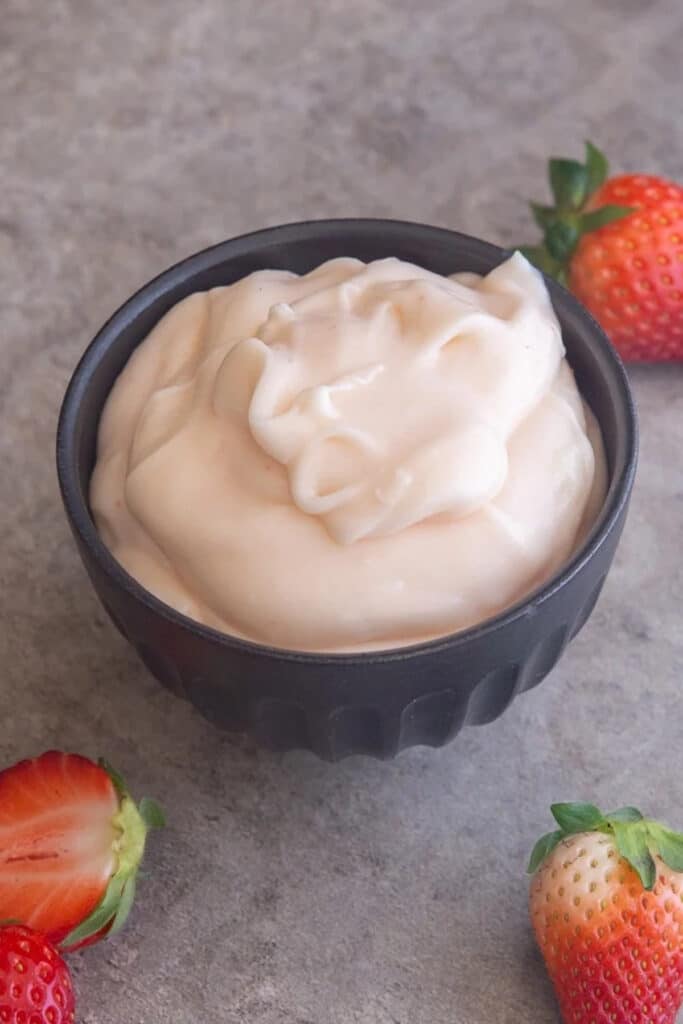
288 891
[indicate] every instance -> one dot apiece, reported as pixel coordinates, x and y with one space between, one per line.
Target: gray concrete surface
286 891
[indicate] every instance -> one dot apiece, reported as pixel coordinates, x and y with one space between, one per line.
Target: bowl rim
82 522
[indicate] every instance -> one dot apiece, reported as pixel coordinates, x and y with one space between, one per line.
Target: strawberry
606 906
618 245
71 842
35 984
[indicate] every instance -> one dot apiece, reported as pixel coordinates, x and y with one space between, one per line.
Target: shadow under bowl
374 703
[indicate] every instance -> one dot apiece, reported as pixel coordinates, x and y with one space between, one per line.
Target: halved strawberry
71 842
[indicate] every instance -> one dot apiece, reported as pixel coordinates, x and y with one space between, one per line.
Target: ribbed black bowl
335 705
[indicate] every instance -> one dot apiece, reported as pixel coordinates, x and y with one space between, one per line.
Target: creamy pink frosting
364 456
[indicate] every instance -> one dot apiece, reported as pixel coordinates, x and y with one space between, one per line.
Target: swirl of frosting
366 455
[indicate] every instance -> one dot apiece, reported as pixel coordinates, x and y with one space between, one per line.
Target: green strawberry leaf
124 907
631 842
541 258
624 814
564 223
597 169
569 182
603 215
543 215
561 238
577 817
116 777
100 917
545 846
151 813
669 844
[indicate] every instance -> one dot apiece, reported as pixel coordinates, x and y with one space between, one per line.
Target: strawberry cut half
71 842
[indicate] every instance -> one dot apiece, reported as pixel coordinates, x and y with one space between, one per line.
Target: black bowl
372 703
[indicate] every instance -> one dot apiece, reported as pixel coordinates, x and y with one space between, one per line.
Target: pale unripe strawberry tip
638 840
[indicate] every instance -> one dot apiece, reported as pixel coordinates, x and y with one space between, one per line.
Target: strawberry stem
573 185
597 168
130 846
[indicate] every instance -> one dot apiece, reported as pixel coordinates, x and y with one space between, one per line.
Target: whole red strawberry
71 843
606 906
618 245
35 984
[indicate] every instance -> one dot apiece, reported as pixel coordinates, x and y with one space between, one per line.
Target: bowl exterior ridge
377 703
430 704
